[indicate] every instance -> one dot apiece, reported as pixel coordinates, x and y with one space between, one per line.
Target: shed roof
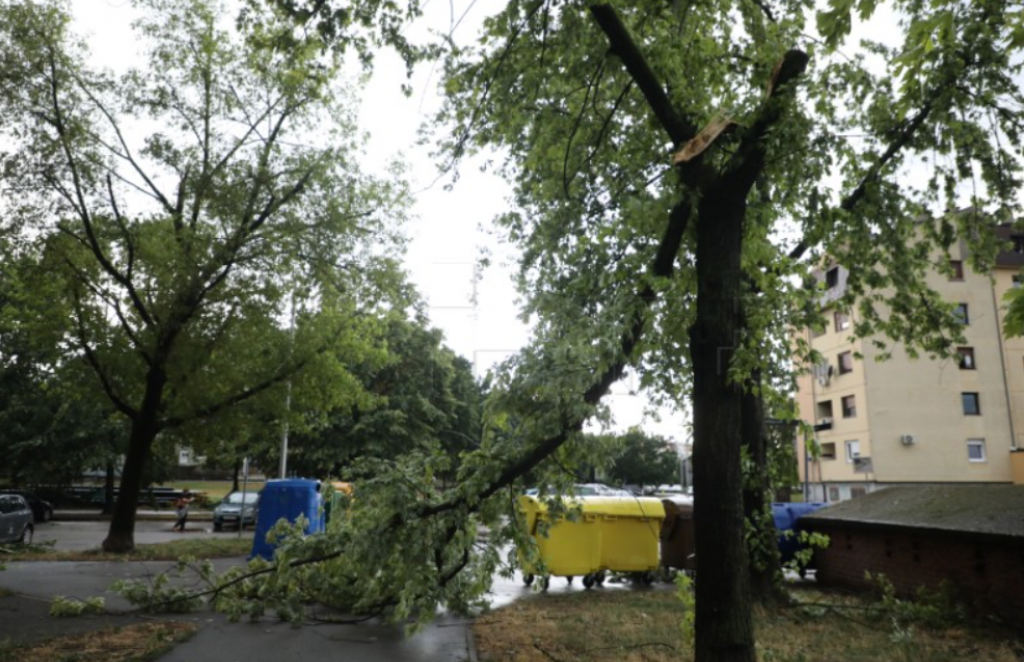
975 509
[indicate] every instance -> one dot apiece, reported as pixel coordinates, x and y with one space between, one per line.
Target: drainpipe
1002 361
814 422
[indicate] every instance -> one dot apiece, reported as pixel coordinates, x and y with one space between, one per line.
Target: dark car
15 519
42 510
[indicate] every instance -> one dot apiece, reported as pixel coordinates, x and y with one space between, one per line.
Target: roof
987 509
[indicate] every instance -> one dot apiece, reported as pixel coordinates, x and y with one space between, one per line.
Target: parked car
42 510
232 511
15 519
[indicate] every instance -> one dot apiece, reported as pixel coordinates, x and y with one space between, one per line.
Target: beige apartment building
914 421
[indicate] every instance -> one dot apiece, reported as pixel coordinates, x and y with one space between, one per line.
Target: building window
1018 243
957 269
849 406
832 277
960 313
842 321
852 450
966 357
845 362
857 492
976 450
1016 280
972 405
818 330
824 410
828 451
833 494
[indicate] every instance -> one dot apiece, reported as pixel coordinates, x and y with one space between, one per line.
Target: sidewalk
24 617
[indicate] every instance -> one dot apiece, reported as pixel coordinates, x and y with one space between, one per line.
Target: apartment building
918 421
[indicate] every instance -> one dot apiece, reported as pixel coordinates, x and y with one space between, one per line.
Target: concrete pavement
24 616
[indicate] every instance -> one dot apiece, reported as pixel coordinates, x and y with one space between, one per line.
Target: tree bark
145 426
724 625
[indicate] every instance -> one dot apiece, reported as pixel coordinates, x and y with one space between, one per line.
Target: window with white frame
852 450
976 450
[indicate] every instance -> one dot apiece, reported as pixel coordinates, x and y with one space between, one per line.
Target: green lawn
638 625
214 490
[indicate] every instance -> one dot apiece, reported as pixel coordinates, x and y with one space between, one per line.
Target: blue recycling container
286 498
786 516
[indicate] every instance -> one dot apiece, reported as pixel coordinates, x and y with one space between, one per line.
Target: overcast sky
478 312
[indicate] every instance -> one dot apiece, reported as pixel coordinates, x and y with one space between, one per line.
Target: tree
52 432
210 257
423 397
597 104
644 460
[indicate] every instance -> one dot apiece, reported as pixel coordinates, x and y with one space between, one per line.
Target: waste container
286 498
569 549
785 516
630 530
677 540
334 495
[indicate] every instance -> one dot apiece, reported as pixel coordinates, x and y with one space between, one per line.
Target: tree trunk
108 489
724 624
145 426
234 475
765 562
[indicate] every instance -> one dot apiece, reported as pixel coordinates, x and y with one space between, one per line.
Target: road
23 617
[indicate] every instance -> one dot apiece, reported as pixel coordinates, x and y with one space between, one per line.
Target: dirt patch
139 642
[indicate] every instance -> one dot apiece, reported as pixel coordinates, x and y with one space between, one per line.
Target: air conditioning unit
908 439
823 373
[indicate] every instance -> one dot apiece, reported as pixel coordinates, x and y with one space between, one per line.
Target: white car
15 519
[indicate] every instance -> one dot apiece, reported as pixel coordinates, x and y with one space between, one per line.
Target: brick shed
970 535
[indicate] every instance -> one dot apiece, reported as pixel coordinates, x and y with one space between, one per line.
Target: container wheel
589 581
528 579
545 583
802 572
647 578
569 579
599 578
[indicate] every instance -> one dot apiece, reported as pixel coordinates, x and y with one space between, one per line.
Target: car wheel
26 535
217 526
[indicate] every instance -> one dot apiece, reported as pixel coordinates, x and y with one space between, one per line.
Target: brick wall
986 573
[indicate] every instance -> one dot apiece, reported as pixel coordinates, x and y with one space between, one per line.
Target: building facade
917 421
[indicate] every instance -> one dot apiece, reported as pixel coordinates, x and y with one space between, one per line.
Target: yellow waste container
630 533
570 548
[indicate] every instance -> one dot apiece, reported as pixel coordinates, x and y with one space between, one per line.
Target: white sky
479 317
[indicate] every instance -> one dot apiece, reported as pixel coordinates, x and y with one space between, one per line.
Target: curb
142 516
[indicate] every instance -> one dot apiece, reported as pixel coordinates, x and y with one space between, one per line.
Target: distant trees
643 460
421 397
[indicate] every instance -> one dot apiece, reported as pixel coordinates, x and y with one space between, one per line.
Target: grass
200 548
214 490
637 625
139 642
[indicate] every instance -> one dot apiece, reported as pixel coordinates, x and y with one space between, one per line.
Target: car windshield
236 497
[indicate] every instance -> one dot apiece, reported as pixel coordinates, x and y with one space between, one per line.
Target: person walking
182 506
